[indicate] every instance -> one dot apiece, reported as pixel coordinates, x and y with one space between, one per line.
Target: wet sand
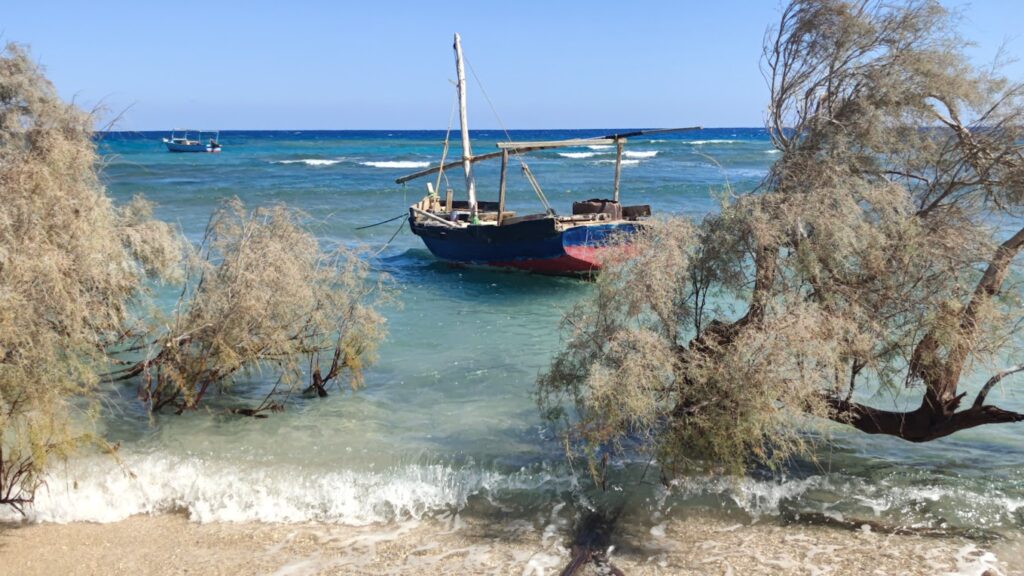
171 544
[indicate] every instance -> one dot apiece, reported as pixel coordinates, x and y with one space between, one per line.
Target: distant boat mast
467 152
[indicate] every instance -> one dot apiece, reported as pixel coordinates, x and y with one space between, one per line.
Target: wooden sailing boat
470 232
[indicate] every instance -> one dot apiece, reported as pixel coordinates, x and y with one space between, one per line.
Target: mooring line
393 236
381 222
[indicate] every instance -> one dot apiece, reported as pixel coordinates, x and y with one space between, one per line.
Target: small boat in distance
180 141
468 232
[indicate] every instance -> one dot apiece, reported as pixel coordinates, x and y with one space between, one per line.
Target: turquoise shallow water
447 420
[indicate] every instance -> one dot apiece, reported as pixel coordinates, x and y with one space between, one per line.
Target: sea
447 422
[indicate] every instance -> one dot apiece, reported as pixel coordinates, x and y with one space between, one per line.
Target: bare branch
979 401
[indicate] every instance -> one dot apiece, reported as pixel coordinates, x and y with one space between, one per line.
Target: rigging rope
444 153
519 157
536 188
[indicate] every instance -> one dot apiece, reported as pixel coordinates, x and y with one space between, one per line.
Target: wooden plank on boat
618 166
555 143
430 216
650 131
585 217
501 186
638 211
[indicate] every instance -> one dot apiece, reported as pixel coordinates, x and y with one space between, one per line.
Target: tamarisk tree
75 271
260 294
880 253
71 264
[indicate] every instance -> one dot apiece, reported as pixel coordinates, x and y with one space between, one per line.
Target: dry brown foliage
879 252
70 264
261 295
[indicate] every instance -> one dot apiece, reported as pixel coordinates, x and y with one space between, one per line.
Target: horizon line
415 129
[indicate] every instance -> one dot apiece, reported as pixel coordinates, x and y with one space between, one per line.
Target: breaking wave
701 142
397 164
600 147
624 162
211 490
640 154
854 499
577 154
96 490
310 161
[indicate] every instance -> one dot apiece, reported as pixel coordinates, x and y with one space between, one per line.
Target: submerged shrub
260 295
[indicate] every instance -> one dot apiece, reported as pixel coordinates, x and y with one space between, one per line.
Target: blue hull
536 245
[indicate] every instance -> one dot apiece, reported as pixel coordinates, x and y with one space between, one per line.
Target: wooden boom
555 143
521 147
650 131
434 169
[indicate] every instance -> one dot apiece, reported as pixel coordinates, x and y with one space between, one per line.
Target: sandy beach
171 544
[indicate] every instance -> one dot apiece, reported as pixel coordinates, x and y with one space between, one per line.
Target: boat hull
537 246
175 147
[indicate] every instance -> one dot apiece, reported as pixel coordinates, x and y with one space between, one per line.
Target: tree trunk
921 425
937 416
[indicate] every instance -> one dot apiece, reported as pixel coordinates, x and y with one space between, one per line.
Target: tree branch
921 425
980 399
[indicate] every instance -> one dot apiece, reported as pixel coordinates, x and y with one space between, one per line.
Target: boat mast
467 152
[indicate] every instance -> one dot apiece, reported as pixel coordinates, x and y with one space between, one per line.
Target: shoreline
172 544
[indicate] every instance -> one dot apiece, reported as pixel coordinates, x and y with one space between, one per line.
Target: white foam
307 566
96 490
577 154
624 162
1013 504
640 154
397 164
600 147
755 497
973 561
700 142
542 563
833 514
310 162
772 151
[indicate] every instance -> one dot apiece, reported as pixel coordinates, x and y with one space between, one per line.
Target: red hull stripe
578 259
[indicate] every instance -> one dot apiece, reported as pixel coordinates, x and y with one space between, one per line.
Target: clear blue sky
386 64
